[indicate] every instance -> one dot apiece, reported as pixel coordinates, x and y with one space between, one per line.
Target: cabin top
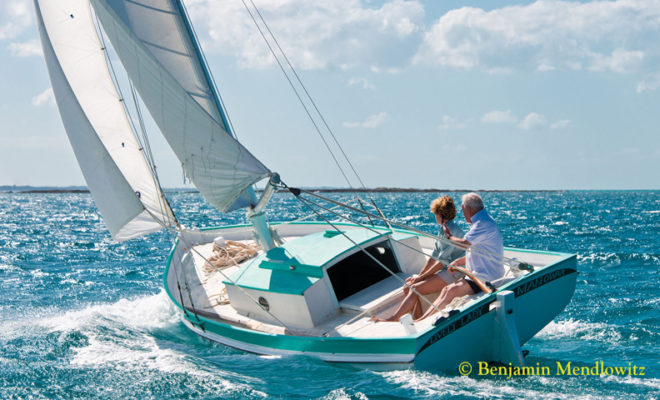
296 265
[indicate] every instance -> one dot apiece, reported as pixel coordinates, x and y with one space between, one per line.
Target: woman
428 281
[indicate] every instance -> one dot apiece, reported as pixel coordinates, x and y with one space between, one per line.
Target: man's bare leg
432 284
449 293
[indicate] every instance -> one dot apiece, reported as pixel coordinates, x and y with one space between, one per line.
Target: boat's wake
141 337
123 334
147 312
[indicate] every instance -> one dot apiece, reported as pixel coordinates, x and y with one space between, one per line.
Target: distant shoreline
82 189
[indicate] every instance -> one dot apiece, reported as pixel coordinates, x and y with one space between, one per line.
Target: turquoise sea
83 316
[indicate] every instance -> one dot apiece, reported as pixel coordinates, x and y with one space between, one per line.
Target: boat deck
208 294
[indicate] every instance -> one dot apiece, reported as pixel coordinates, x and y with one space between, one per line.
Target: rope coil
232 253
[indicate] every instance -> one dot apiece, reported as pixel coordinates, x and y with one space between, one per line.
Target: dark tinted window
360 271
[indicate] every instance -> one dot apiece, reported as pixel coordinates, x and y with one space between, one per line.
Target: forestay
112 162
159 54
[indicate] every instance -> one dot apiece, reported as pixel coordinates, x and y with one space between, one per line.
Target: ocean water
82 316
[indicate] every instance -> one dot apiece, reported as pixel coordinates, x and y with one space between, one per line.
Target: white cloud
15 17
373 121
361 82
650 82
45 98
620 60
340 34
561 124
532 121
499 117
547 35
25 49
449 123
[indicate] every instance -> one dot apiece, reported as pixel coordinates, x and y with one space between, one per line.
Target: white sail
158 53
160 27
109 155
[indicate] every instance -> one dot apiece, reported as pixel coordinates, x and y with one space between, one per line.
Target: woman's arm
437 265
428 265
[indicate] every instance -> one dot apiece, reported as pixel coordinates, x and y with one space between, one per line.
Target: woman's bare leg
432 284
449 293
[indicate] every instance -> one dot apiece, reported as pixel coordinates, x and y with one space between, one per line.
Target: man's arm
459 262
454 238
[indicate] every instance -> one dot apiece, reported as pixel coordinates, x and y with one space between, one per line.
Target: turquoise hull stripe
309 344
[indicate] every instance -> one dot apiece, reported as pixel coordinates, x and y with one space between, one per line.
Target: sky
442 94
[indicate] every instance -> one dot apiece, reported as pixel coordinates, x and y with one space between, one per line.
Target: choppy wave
432 386
580 329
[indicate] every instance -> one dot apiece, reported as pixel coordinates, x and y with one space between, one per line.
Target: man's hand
451 268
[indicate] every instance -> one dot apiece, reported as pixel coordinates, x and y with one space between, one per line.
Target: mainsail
113 163
156 47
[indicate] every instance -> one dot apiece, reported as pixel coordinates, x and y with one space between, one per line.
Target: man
483 258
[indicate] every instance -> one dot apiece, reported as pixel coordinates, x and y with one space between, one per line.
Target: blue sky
444 94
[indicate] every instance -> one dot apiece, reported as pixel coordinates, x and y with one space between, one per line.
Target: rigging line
109 63
318 111
101 36
302 85
145 142
176 272
368 217
190 300
304 201
329 210
163 203
316 127
178 286
400 242
481 252
300 219
293 87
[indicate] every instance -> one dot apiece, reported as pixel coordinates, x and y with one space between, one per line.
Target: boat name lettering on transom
459 323
540 281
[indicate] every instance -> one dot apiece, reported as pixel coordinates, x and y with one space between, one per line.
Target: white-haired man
483 257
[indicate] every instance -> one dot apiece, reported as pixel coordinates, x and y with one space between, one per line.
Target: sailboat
290 288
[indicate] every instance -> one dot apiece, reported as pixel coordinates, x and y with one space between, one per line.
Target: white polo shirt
485 236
